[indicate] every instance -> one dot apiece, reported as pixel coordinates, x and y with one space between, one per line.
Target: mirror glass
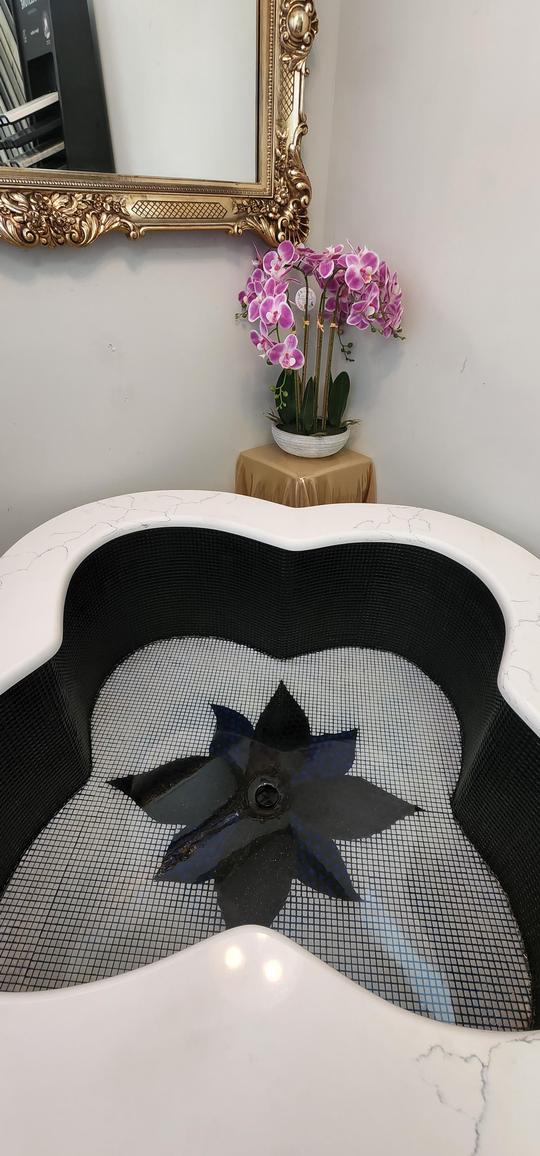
157 88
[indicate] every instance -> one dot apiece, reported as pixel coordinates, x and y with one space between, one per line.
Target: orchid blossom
278 261
275 311
287 354
262 342
327 262
364 308
391 303
259 289
360 268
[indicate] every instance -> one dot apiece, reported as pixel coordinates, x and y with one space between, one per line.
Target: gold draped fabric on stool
266 472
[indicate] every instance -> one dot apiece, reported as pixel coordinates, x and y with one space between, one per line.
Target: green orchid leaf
338 397
308 415
287 411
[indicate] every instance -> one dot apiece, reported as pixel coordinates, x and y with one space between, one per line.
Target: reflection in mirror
165 89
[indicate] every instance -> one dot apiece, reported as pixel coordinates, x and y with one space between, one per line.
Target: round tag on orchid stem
300 299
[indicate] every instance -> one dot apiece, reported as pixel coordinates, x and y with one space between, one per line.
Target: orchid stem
297 402
306 337
333 330
318 359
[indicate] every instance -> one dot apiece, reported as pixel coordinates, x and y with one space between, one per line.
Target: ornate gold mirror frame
50 208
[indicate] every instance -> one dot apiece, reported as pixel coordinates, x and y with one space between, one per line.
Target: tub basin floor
431 929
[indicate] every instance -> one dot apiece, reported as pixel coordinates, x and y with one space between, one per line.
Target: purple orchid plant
342 288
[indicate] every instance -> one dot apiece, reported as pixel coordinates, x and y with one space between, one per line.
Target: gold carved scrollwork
55 218
298 28
50 209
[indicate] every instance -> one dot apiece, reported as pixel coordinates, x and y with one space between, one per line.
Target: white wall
122 367
436 163
181 86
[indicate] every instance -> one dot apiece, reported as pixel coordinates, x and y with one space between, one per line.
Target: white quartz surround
246 1044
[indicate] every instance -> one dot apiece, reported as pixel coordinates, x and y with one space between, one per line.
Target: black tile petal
283 724
348 808
328 757
195 854
232 736
319 863
183 791
252 886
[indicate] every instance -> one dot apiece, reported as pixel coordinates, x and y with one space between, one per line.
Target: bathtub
247 1039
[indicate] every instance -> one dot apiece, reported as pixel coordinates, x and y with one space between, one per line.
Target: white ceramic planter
308 445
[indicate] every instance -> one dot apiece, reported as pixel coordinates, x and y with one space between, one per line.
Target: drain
267 796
